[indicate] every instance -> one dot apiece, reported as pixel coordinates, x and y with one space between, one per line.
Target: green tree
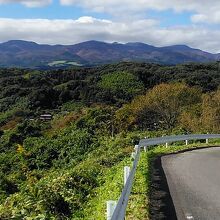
122 85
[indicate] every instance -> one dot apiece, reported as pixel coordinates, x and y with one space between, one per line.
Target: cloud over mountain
127 21
69 31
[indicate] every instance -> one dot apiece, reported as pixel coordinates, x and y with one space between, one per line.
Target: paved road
194 181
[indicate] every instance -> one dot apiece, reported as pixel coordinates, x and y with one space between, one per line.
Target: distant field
64 63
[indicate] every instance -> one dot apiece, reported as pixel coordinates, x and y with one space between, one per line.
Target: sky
195 23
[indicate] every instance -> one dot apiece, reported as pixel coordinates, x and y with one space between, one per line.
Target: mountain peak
92 42
19 42
29 54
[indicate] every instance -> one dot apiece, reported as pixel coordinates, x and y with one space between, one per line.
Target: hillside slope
17 53
69 166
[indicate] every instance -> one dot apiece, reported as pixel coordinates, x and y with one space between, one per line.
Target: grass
110 190
138 201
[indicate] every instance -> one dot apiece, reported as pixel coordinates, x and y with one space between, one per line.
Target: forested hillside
25 54
53 169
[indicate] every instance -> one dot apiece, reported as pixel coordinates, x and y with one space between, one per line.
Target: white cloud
213 18
138 5
88 28
204 10
28 3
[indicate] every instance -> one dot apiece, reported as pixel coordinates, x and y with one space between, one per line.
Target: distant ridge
18 53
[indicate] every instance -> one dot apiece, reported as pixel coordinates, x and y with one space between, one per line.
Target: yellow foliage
211 111
161 105
20 149
190 119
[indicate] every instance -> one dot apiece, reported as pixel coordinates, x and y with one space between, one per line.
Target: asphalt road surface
193 178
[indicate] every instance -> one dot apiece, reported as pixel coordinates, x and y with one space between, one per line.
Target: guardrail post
136 148
187 142
166 145
126 173
110 208
145 148
207 141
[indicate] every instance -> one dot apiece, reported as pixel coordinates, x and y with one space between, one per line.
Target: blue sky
58 11
169 18
157 22
52 11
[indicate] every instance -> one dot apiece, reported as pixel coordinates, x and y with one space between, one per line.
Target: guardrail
120 210
117 210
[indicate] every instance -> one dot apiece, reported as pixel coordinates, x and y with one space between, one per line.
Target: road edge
161 203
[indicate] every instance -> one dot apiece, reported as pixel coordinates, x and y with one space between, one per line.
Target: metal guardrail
120 209
174 138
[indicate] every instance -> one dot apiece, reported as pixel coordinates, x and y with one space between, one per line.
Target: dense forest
51 169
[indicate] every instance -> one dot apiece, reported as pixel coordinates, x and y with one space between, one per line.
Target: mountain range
18 53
